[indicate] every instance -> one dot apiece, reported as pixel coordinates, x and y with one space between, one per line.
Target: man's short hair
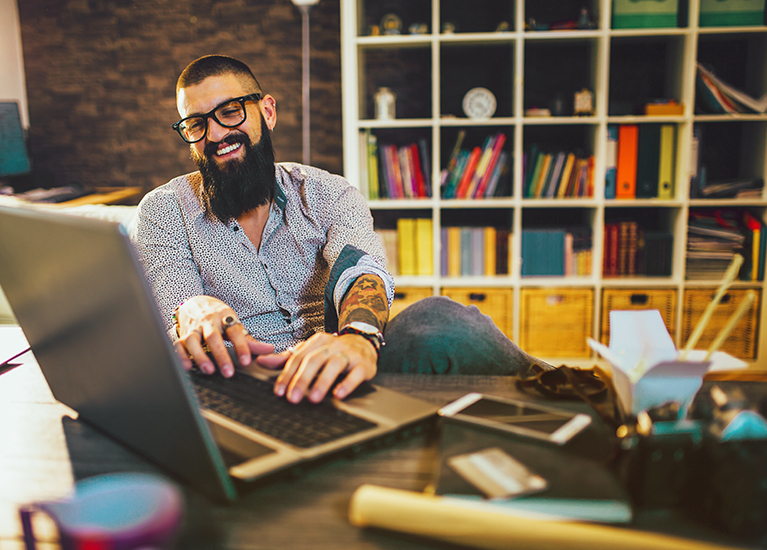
216 65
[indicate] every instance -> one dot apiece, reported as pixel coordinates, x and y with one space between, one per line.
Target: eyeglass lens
229 115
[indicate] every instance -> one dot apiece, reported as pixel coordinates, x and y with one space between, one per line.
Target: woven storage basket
664 300
555 322
494 302
405 296
742 340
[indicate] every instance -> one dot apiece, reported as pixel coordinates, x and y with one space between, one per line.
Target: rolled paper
479 526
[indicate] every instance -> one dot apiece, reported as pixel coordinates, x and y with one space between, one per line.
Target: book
406 235
477 251
483 190
391 249
453 251
363 184
424 246
490 251
611 160
566 173
648 161
482 163
499 171
425 160
542 176
626 167
556 173
532 165
667 163
468 172
502 251
466 255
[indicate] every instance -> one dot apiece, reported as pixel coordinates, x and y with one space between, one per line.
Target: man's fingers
356 376
334 366
183 355
220 354
194 345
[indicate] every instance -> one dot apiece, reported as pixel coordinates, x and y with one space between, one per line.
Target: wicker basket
555 322
405 296
664 300
493 302
742 340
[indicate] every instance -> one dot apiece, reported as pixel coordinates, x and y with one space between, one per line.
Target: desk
43 451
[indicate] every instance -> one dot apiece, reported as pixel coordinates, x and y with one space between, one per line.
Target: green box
731 13
642 14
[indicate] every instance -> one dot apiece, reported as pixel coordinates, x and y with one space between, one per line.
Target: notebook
81 298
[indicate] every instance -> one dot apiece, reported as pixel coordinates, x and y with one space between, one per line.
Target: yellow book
424 260
666 164
490 251
453 251
372 166
566 172
542 176
406 245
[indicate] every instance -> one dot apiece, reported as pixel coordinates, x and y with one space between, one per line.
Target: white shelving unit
432 86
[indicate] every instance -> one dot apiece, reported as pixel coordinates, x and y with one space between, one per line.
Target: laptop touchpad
236 448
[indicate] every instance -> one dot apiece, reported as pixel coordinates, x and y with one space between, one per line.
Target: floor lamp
304 7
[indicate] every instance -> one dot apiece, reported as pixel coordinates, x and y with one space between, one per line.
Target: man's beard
238 186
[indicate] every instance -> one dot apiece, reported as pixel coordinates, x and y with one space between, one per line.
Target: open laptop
80 295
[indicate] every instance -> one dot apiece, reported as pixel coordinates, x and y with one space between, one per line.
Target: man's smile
228 149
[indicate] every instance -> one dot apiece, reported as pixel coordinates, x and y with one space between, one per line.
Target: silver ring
229 321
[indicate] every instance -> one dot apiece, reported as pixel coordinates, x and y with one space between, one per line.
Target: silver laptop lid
79 294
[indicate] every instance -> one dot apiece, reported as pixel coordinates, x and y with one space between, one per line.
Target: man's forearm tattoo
365 301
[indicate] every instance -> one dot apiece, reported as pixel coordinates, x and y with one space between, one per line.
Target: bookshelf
528 70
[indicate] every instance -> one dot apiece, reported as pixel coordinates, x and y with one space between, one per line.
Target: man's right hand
206 320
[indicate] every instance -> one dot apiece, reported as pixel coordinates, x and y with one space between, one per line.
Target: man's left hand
311 367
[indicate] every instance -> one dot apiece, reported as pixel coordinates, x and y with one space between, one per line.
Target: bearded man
279 261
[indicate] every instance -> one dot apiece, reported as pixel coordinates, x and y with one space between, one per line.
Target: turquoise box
640 14
731 13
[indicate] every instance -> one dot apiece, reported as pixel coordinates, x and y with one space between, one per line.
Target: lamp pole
304 6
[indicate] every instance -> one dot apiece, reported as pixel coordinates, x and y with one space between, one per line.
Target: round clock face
479 103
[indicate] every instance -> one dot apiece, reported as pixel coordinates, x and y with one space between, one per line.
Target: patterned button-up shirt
277 289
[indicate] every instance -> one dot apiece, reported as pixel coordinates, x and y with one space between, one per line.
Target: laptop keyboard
251 401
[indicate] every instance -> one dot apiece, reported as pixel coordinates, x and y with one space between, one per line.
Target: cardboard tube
452 521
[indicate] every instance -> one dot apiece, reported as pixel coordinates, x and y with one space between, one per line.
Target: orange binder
626 171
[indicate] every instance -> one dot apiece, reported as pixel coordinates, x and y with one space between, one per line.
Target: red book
420 183
471 165
497 148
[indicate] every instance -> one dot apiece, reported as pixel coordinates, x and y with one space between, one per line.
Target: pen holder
115 511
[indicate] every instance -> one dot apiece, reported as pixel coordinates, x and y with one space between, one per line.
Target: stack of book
557 175
409 247
718 97
714 237
631 251
393 171
475 173
556 251
475 251
640 161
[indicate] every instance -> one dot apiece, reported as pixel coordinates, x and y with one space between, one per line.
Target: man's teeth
228 149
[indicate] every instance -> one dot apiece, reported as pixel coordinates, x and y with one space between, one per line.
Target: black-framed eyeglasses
230 114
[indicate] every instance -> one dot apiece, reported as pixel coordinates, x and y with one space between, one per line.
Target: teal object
113 511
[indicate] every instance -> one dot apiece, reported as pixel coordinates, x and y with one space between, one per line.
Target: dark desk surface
43 451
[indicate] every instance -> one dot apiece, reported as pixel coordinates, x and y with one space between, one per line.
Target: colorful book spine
611 159
626 171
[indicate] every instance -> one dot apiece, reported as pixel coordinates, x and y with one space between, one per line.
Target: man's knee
441 336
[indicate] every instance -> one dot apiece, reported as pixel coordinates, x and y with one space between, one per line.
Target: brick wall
101 80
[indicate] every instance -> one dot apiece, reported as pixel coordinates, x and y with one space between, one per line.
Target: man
275 258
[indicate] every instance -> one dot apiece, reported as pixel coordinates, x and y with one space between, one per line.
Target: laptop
81 298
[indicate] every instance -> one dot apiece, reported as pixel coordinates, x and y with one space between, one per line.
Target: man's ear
269 109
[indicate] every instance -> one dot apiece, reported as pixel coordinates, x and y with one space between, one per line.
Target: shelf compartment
477 16
543 175
476 243
555 322
638 242
497 303
408 241
406 71
662 299
559 13
409 12
728 151
644 69
460 72
742 342
555 90
395 163
476 162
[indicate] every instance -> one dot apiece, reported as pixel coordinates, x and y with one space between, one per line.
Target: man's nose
216 132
